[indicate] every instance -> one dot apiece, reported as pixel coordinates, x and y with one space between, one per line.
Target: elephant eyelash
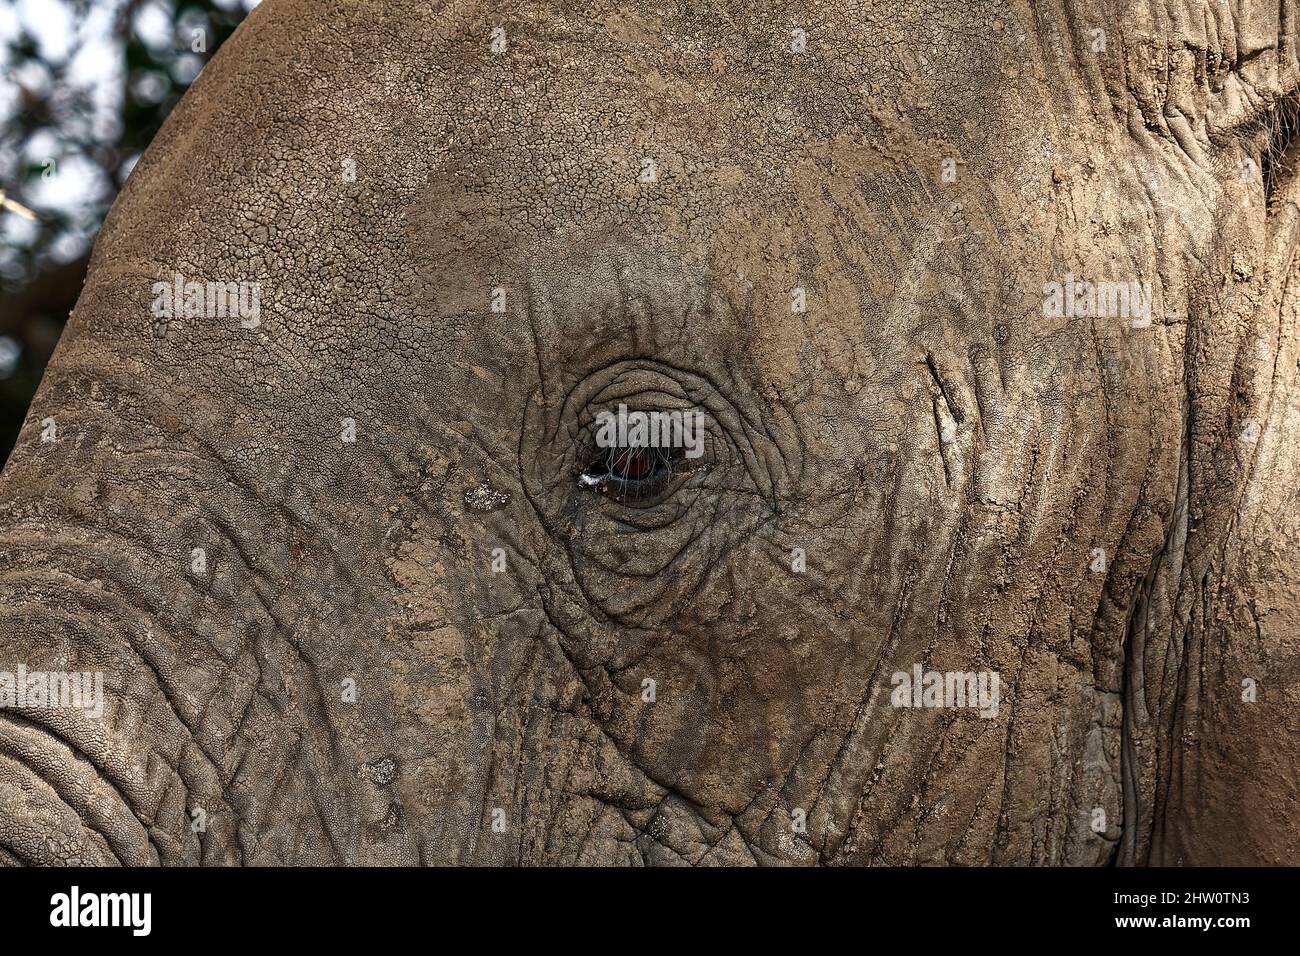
630 473
1279 159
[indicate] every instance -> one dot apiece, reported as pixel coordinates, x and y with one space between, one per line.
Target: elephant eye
633 463
630 472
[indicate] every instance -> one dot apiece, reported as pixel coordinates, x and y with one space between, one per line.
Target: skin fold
432 644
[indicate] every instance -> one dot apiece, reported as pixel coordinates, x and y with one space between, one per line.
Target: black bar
209 907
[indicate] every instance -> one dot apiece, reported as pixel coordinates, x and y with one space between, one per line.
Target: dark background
84 86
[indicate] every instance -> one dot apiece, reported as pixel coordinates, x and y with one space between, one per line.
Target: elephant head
984 550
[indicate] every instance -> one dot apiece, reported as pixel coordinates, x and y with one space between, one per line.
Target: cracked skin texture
349 681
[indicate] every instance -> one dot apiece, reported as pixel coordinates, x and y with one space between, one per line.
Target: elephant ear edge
1211 738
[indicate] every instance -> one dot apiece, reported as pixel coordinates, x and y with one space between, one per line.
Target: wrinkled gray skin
516 696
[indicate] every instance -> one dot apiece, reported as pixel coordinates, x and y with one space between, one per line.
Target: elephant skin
352 604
